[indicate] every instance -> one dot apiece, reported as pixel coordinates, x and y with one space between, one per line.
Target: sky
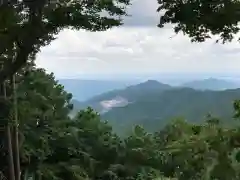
138 47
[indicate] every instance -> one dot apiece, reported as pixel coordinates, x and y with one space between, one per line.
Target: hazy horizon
83 89
171 79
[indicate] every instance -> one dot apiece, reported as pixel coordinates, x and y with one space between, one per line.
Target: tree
201 19
28 25
55 146
41 100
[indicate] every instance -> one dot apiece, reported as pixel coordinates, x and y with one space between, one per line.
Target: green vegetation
153 105
130 93
26 26
154 110
54 146
133 92
202 19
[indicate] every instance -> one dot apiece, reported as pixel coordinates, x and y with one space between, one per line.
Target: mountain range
211 84
153 104
122 97
83 90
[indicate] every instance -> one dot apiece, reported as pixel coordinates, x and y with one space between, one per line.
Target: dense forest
154 110
38 139
54 146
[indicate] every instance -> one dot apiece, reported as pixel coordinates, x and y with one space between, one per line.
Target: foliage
201 19
155 110
55 146
28 25
153 104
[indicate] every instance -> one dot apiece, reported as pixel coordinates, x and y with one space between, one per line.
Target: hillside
85 89
211 84
122 97
153 104
156 109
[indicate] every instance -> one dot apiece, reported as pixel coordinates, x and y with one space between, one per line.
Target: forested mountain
122 97
134 91
153 104
211 84
54 146
156 109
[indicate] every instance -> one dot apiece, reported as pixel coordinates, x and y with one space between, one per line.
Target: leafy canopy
25 25
201 19
54 146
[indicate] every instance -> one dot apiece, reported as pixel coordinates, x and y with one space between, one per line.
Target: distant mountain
85 89
152 104
156 109
123 97
211 84
134 91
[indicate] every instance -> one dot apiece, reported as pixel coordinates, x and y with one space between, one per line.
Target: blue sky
138 47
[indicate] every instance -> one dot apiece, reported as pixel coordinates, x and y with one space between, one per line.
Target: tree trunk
9 144
10 155
15 132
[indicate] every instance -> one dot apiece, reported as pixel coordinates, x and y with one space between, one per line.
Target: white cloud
135 49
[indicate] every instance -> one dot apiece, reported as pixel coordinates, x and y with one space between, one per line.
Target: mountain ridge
184 103
150 85
128 94
152 104
211 84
